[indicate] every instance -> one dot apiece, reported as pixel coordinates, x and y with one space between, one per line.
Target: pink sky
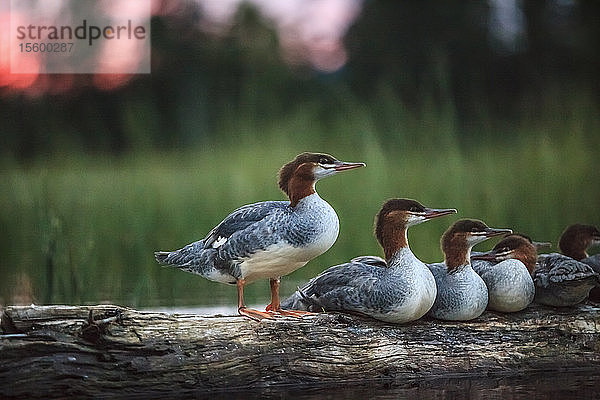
311 31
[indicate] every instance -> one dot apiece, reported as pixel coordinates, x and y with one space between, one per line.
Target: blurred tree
426 54
443 51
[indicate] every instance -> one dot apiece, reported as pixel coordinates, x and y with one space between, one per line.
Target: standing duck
462 294
398 289
268 239
561 279
506 271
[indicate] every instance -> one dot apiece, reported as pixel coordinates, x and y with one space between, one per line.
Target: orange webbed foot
255 314
287 313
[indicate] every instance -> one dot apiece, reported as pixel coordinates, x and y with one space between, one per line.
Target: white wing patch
221 240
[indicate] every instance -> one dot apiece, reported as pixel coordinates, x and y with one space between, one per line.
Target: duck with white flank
268 239
398 289
506 271
462 294
560 279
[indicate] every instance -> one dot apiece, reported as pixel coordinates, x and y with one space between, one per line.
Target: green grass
82 229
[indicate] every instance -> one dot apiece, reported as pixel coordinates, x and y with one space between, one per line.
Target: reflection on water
551 385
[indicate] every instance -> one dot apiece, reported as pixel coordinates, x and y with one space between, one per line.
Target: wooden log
57 351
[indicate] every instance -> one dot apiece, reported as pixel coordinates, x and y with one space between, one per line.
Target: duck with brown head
268 239
398 289
567 279
576 239
593 239
506 271
462 294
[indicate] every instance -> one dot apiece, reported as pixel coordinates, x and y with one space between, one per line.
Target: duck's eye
324 160
414 209
504 249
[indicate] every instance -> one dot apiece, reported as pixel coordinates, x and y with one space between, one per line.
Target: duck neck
576 251
529 259
299 187
456 256
393 240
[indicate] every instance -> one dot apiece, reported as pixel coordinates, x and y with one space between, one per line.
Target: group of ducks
274 238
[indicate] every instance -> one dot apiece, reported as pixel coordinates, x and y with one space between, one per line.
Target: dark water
550 385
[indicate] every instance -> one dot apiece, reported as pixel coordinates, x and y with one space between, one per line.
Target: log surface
57 351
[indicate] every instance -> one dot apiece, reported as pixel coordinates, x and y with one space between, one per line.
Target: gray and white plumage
268 239
399 289
593 261
509 284
506 272
261 240
562 281
461 294
480 266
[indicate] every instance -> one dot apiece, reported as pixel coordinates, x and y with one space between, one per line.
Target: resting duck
398 289
561 279
462 294
506 271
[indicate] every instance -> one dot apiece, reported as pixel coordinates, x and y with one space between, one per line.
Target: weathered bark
48 351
